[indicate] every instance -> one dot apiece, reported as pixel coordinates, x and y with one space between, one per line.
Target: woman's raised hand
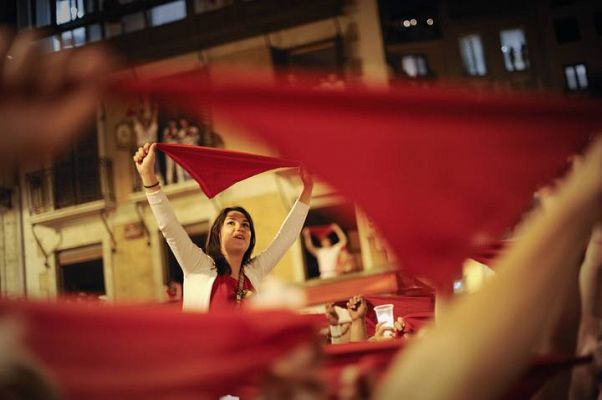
144 158
308 185
306 178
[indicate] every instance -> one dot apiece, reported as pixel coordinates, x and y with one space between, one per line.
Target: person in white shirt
170 135
328 253
146 125
187 134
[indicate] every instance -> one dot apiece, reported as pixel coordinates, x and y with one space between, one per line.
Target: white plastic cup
384 315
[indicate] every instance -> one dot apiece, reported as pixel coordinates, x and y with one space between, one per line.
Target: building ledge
67 214
373 282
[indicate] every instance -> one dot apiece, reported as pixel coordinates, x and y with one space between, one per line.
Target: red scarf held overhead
320 231
437 169
216 169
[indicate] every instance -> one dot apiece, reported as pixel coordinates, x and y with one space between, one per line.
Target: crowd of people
479 344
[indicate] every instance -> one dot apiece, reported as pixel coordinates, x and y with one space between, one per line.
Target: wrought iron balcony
64 186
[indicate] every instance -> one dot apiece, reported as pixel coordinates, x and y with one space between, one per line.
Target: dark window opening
9 12
598 22
344 215
325 56
567 30
83 279
203 6
76 175
409 21
459 9
560 3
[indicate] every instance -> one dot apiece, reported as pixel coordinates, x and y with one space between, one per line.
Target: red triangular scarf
216 169
438 170
320 231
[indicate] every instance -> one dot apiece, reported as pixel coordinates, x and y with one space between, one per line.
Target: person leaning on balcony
327 253
226 273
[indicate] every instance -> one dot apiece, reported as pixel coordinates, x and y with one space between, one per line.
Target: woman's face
235 235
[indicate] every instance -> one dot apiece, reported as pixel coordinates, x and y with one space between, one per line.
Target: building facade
80 225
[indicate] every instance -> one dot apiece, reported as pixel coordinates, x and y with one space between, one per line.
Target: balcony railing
64 185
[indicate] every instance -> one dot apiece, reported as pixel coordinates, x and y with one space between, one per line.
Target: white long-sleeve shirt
199 268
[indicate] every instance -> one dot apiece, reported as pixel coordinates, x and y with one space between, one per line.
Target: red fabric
437 170
373 358
320 231
130 352
223 292
216 169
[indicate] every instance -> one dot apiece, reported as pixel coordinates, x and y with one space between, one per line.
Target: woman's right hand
357 307
144 158
382 332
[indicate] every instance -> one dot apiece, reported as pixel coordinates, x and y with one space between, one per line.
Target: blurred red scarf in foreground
155 352
215 169
438 170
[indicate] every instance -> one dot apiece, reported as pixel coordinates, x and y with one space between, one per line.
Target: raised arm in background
340 235
309 244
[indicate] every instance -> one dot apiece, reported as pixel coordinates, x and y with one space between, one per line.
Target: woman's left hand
306 177
308 184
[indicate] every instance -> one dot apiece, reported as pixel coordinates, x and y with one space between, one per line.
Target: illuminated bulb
430 21
413 22
406 23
